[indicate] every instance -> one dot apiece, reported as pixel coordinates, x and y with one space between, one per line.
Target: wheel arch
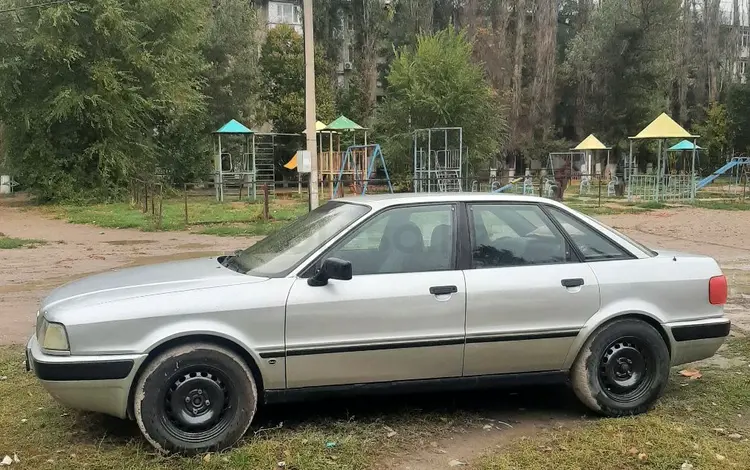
588 330
221 341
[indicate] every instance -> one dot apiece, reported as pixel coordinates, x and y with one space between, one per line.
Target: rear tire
622 368
195 398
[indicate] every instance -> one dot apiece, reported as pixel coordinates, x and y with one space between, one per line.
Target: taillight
717 290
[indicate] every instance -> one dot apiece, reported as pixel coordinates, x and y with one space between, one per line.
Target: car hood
140 281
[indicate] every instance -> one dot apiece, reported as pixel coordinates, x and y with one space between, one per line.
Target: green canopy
343 123
233 127
684 145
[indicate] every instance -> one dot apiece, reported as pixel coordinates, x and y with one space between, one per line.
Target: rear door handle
443 290
578 282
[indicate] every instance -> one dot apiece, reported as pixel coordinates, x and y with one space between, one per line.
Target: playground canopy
319 127
684 145
664 127
343 123
233 127
591 143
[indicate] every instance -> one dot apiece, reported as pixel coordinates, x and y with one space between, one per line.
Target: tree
282 63
738 103
91 91
620 56
714 132
437 84
231 50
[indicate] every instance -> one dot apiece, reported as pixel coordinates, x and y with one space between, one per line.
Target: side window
514 235
592 245
401 240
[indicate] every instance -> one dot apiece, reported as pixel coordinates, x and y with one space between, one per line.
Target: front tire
622 369
195 398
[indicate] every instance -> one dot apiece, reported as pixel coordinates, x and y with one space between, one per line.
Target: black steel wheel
622 368
195 398
625 369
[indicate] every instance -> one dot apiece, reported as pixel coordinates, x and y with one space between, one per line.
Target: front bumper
696 340
91 383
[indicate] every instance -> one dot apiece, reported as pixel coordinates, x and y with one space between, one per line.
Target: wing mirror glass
332 268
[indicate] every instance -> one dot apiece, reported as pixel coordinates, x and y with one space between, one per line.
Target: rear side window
591 243
514 235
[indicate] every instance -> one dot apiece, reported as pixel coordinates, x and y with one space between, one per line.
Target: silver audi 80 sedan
374 293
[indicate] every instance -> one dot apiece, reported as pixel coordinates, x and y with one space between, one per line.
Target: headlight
53 337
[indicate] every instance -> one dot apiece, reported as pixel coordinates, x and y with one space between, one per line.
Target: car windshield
281 251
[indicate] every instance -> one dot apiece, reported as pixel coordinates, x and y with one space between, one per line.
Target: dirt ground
73 251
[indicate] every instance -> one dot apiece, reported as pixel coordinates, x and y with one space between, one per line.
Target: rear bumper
91 383
696 340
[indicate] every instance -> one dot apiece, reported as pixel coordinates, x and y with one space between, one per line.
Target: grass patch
9 243
653 205
723 205
691 423
230 218
613 209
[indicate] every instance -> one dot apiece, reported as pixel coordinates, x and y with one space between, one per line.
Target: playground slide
731 164
508 186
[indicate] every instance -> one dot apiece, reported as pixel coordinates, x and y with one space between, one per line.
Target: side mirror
332 268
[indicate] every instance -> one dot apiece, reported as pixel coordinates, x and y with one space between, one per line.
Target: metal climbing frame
438 159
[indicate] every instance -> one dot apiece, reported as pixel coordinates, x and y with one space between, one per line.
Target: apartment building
738 12
742 64
274 13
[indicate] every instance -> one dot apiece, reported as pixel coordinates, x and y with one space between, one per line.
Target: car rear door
400 317
527 293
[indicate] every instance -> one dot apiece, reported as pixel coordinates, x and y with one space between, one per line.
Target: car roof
377 201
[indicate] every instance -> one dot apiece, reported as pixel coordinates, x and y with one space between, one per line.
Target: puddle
129 242
144 260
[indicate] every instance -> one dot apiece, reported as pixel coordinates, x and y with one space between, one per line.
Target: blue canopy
233 127
683 145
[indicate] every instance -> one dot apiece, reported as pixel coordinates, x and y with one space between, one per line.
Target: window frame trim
309 268
627 255
576 257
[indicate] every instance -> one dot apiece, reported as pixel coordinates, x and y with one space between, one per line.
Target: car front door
527 294
400 317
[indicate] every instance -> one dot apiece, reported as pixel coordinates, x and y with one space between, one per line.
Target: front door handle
443 290
578 282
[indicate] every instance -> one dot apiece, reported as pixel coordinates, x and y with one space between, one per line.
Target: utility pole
310 115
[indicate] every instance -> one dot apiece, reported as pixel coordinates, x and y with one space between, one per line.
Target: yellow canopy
591 143
663 127
320 126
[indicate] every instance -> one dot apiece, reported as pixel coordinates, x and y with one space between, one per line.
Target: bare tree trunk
584 8
518 59
712 12
686 37
368 35
543 85
735 39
